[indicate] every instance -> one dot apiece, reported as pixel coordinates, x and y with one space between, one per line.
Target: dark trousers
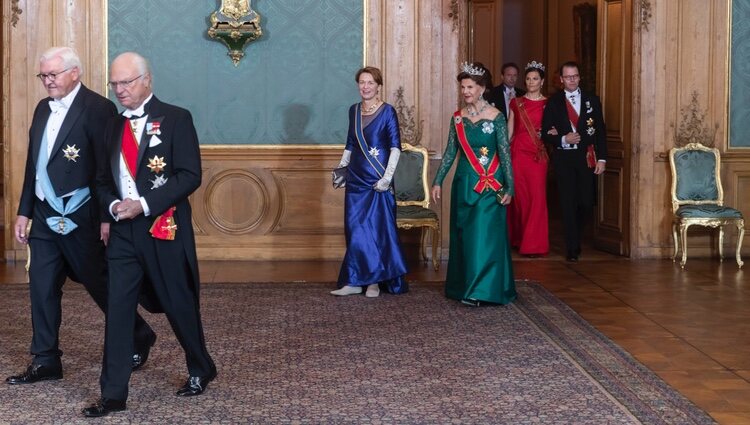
575 186
78 255
134 257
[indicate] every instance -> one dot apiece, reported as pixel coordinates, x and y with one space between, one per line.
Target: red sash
486 177
129 148
573 117
541 153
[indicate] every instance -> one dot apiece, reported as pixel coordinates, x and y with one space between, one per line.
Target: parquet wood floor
691 327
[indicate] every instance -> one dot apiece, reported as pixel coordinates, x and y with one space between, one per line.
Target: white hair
68 55
136 59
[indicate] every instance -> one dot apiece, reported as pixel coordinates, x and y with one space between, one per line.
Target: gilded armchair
413 198
698 198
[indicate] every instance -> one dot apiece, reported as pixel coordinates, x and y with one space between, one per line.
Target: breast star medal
156 164
484 159
374 152
158 182
590 122
71 153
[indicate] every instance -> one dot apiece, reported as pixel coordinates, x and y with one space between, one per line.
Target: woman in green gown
479 268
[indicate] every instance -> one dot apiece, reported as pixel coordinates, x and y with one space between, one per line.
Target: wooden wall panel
269 203
681 48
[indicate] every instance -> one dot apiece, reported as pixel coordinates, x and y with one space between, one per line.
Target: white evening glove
383 184
345 158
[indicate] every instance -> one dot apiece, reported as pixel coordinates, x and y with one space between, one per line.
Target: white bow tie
57 105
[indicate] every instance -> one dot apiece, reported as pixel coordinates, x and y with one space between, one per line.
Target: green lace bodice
492 135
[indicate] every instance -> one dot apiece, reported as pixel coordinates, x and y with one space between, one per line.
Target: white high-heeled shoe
372 291
347 290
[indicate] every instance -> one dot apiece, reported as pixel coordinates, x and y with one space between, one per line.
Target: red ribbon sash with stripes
486 177
129 148
573 117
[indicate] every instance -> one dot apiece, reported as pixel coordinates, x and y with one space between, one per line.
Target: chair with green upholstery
698 199
413 198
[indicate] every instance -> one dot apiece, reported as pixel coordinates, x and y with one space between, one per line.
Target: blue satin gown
373 253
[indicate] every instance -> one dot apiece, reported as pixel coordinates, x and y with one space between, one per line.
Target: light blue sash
379 168
62 224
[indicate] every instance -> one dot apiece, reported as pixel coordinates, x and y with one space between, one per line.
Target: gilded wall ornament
645 13
453 14
693 128
15 11
411 132
235 24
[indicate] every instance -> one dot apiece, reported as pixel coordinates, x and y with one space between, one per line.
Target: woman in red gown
527 218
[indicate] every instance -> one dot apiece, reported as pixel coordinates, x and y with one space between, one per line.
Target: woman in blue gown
373 256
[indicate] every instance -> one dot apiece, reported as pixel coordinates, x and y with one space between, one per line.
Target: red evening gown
527 218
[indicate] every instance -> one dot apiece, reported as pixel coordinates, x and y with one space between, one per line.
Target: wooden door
614 85
485 34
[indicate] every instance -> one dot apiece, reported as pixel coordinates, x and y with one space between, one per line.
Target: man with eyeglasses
153 165
70 230
579 152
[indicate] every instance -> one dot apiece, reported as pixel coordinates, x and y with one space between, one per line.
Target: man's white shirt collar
138 111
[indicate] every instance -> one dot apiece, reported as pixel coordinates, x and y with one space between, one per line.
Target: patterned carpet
292 354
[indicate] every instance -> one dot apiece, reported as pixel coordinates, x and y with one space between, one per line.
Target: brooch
488 127
156 164
374 152
457 120
158 182
152 128
71 153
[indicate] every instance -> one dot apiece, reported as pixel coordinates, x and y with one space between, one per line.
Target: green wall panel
294 85
739 94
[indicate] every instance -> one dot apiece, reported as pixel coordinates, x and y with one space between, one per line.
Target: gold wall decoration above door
235 24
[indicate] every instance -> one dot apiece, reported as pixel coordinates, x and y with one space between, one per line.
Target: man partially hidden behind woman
479 267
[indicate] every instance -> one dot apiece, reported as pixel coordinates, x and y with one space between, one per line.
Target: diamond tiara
535 64
471 69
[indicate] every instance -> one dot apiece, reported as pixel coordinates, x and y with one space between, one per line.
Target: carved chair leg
436 247
676 241
740 236
683 236
721 244
422 243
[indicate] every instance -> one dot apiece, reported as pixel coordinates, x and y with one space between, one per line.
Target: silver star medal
71 153
484 160
590 131
374 152
158 182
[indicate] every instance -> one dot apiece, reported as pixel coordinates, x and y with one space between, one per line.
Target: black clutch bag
339 177
499 195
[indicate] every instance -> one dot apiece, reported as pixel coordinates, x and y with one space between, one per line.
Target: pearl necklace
540 97
371 108
477 112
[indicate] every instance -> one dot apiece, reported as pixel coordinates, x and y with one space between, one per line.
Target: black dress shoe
36 373
141 354
195 385
103 407
572 259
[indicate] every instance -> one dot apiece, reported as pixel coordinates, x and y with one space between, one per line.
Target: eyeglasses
124 84
51 75
571 77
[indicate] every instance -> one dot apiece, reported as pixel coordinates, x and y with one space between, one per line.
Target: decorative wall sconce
235 24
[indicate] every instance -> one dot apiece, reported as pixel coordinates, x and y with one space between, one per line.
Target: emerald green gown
479 265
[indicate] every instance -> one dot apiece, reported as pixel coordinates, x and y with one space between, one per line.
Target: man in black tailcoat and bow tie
69 232
579 151
501 95
153 165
